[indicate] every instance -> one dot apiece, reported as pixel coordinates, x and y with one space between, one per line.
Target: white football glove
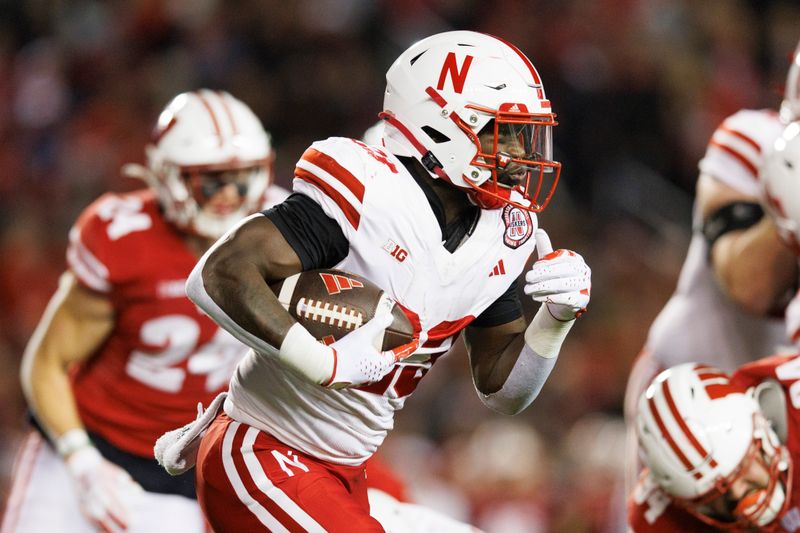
106 492
357 359
561 280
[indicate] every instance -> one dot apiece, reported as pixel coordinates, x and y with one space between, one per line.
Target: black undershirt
319 242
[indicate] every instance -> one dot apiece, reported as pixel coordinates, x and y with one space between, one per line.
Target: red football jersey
163 355
651 510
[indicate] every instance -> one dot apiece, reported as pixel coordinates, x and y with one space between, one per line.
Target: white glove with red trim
357 360
105 491
561 280
353 360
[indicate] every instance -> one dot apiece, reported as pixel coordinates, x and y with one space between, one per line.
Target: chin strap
426 157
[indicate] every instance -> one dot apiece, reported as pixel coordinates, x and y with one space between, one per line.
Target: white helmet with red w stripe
790 107
699 434
201 135
447 89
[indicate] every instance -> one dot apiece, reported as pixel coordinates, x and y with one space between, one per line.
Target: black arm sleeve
731 217
315 237
502 311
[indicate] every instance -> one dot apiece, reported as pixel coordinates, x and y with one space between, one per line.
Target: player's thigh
249 482
42 497
166 513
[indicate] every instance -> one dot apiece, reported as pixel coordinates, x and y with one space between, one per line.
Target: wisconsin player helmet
790 107
780 182
472 109
203 141
708 445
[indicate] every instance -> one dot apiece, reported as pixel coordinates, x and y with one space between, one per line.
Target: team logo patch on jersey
519 226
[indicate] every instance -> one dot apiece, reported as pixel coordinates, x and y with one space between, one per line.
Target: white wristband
545 334
305 354
71 441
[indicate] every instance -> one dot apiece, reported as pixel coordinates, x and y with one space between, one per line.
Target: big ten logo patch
519 226
395 250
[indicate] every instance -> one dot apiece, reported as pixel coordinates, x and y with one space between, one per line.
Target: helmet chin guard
456 101
206 133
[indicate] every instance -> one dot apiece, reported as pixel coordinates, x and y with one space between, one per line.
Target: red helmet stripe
668 436
682 423
524 58
225 106
213 116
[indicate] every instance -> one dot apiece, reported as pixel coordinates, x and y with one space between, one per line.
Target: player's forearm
49 394
535 351
63 336
238 298
45 381
754 268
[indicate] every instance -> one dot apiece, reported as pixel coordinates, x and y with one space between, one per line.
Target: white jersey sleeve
737 147
333 174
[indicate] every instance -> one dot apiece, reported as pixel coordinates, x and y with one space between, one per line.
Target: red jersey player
121 355
719 450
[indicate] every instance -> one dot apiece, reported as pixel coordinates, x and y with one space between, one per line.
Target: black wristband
730 217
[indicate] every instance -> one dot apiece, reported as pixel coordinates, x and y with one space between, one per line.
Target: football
332 303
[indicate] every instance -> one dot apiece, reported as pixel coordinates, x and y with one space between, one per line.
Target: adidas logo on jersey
498 270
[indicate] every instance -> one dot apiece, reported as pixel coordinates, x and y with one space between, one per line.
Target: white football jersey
699 322
396 242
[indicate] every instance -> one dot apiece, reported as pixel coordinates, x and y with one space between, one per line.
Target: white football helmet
780 184
199 137
447 89
790 107
698 434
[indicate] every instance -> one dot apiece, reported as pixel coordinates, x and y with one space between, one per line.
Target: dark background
639 85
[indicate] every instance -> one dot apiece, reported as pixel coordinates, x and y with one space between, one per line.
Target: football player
444 218
719 450
737 277
121 355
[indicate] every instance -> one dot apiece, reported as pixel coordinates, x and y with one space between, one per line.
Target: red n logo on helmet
458 76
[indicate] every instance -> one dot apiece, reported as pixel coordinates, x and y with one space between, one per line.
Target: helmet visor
518 148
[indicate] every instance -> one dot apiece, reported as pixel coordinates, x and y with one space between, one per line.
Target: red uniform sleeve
87 255
107 236
754 373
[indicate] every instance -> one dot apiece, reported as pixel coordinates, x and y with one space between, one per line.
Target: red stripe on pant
215 493
333 496
252 488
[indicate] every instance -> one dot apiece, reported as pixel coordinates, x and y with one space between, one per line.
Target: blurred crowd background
639 86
